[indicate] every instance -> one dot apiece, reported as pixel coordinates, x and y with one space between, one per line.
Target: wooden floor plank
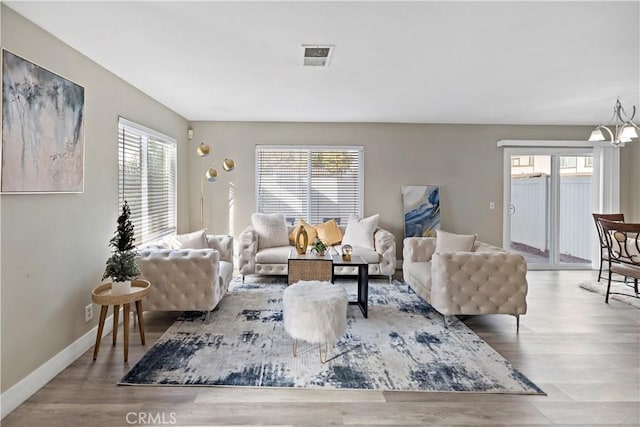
282 395
587 413
444 413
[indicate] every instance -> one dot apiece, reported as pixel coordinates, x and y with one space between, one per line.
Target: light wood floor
581 351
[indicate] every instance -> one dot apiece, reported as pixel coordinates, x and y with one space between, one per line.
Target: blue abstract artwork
42 129
421 209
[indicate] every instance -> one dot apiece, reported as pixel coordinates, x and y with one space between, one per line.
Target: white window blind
147 164
310 182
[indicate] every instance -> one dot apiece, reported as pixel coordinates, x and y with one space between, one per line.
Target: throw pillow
359 232
195 240
329 232
310 229
450 242
271 230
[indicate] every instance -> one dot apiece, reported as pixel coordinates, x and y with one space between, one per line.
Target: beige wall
630 181
54 246
463 159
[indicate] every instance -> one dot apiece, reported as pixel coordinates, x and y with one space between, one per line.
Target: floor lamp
209 175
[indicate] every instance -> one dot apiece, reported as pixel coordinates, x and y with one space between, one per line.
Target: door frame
605 185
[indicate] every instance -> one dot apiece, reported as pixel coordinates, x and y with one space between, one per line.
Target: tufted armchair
187 279
488 280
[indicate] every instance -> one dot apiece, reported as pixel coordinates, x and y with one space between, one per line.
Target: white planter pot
121 288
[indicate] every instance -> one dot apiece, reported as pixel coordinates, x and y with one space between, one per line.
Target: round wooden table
102 296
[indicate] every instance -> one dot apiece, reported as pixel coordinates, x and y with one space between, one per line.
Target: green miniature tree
121 266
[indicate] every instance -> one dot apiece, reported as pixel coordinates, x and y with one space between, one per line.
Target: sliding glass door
549 199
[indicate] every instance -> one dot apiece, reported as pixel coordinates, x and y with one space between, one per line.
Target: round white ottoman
315 312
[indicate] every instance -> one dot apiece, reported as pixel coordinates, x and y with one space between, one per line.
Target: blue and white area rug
402 345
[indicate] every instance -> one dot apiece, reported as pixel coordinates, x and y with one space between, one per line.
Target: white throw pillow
450 242
359 232
271 230
195 240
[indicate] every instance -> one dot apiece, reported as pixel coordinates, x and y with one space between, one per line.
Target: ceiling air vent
317 55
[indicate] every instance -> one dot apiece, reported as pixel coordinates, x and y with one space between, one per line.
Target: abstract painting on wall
42 130
421 208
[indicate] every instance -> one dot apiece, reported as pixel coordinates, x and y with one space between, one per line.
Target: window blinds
147 164
313 183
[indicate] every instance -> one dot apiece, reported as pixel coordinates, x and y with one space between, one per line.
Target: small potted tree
121 265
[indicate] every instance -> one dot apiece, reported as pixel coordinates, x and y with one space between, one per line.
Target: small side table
363 281
102 296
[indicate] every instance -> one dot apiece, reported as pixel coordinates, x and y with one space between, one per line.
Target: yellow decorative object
310 229
228 165
302 240
209 174
203 150
347 250
329 232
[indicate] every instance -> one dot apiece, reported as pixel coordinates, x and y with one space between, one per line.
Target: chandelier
209 175
619 129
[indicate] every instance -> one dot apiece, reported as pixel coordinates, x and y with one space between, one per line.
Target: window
310 182
521 160
588 161
568 162
147 164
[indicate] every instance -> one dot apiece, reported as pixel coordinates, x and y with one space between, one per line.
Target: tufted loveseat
488 280
187 279
274 261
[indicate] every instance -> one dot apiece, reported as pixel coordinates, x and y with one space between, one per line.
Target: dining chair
623 246
604 254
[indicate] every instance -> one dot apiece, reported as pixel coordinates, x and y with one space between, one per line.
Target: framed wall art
42 130
421 209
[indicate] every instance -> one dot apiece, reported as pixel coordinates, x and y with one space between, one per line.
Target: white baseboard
20 392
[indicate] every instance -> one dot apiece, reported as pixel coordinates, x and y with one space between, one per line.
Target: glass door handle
512 209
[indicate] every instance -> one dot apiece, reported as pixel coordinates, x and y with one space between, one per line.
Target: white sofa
187 279
274 261
488 280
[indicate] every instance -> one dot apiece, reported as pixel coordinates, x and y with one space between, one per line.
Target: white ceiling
414 62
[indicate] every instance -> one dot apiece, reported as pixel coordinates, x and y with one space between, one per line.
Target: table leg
363 289
140 324
126 330
116 313
103 316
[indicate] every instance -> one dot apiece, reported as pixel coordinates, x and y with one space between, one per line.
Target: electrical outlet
88 313
492 205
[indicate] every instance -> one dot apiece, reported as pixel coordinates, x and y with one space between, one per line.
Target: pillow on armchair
195 240
450 242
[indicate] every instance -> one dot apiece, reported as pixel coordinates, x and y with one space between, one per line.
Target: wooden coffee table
102 295
363 280
309 267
